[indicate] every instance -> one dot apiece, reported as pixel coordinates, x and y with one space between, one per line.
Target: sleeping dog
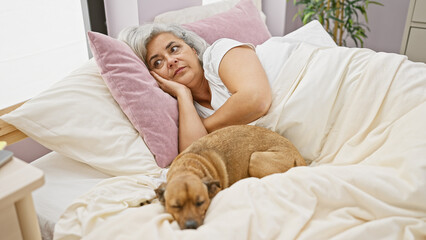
218 160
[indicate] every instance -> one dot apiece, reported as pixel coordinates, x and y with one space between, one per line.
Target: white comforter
359 116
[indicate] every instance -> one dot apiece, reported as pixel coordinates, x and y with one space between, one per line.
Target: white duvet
357 115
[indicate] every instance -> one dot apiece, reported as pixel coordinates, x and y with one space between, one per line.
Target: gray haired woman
216 86
137 37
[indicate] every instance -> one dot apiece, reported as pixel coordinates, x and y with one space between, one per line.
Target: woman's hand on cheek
170 87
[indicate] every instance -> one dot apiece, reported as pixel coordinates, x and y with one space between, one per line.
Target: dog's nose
191 224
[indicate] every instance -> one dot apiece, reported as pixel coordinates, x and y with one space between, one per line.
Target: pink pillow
242 23
152 112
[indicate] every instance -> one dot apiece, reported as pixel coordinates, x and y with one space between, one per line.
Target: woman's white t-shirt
272 55
271 61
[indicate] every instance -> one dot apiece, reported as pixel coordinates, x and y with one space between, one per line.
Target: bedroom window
42 41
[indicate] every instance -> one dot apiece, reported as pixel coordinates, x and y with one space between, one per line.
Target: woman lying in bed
216 86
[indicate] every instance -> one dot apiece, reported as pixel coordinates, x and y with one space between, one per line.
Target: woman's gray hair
138 37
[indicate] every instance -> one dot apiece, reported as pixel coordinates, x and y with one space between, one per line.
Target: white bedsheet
359 116
65 180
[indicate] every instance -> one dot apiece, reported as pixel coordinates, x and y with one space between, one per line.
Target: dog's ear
160 193
213 186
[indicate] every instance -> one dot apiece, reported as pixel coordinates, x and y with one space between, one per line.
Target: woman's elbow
265 105
261 104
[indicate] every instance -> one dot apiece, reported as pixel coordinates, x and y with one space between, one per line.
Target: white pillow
312 33
79 118
192 14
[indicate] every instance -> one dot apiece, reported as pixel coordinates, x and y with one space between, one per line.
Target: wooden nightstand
414 39
18 219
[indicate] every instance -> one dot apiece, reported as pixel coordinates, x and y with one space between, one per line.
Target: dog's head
186 198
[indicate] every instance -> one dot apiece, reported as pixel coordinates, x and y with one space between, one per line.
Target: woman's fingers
157 77
168 86
161 81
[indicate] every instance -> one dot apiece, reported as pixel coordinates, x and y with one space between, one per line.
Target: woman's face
173 59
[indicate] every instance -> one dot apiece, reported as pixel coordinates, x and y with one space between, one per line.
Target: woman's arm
242 73
191 127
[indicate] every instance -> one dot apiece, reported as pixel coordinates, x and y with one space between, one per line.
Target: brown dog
218 160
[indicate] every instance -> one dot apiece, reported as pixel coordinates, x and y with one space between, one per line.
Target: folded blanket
357 115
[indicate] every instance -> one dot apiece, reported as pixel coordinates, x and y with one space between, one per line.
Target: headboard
122 14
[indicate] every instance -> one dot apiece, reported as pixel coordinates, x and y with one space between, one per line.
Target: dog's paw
149 201
146 202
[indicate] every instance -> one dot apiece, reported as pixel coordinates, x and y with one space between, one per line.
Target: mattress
65 180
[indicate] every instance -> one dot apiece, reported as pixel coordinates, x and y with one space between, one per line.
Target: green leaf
295 16
336 19
376 3
307 17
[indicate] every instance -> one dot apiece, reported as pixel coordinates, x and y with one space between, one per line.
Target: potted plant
340 18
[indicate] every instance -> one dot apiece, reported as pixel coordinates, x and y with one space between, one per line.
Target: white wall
120 14
275 11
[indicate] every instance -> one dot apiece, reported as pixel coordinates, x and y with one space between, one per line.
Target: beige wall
386 24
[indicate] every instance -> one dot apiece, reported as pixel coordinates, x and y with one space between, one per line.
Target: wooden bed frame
8 132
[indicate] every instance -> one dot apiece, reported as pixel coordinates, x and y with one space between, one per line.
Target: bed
361 125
